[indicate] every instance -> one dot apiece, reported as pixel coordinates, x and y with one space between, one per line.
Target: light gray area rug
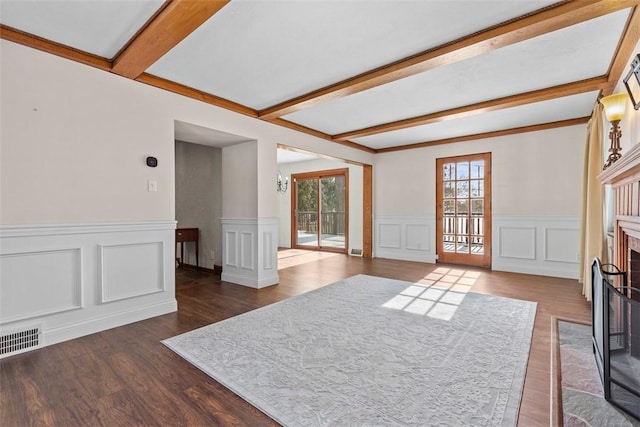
353 353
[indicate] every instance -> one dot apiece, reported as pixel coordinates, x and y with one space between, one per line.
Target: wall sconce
282 187
614 106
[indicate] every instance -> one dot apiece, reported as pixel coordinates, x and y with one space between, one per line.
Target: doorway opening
320 210
463 210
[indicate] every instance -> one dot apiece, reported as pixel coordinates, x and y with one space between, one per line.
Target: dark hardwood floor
125 376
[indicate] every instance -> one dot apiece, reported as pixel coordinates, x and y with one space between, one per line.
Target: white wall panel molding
121 279
30 293
517 242
544 245
251 251
61 276
555 247
403 237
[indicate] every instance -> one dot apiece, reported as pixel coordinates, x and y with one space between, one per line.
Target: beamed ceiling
378 75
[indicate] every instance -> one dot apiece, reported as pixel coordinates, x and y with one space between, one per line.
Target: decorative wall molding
250 251
62 276
410 238
120 279
30 293
517 242
545 245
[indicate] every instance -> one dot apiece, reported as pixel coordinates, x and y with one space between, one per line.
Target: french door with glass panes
463 210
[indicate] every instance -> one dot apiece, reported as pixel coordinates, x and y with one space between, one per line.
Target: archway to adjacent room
463 209
358 227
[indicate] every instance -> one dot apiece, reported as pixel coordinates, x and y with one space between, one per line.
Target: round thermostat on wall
152 162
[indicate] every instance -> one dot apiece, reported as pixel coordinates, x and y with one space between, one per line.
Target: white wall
73 144
630 124
355 198
74 140
240 180
536 200
199 199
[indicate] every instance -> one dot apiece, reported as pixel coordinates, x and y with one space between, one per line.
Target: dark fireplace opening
616 332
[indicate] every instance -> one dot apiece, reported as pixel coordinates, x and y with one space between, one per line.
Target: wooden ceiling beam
505 132
35 42
628 41
482 107
168 28
313 132
196 94
547 20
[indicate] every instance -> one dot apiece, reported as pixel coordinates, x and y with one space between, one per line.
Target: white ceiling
262 53
100 27
545 61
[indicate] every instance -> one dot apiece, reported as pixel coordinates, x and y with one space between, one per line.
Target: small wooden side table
184 235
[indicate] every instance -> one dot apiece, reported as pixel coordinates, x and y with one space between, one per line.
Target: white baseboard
112 320
248 281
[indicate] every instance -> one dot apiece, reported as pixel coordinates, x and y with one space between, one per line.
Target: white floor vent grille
356 252
19 341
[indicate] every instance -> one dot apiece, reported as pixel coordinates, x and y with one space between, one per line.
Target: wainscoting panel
231 248
517 242
247 250
543 245
408 238
27 292
556 247
268 256
390 236
252 241
418 237
121 279
76 279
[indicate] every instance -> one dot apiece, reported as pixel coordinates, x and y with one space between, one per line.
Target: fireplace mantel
623 169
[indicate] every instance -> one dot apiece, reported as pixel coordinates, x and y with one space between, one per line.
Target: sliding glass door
320 210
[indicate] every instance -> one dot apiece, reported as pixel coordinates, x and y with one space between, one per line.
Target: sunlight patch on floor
292 257
437 295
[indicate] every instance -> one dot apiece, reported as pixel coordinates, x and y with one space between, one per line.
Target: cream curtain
593 241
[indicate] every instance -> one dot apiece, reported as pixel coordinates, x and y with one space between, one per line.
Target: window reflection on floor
437 295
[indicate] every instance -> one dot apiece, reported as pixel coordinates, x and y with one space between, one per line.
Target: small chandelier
614 106
282 187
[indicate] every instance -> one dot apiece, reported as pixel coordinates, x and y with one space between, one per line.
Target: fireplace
616 294
616 336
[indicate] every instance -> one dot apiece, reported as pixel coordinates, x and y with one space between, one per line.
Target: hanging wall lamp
282 186
614 106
